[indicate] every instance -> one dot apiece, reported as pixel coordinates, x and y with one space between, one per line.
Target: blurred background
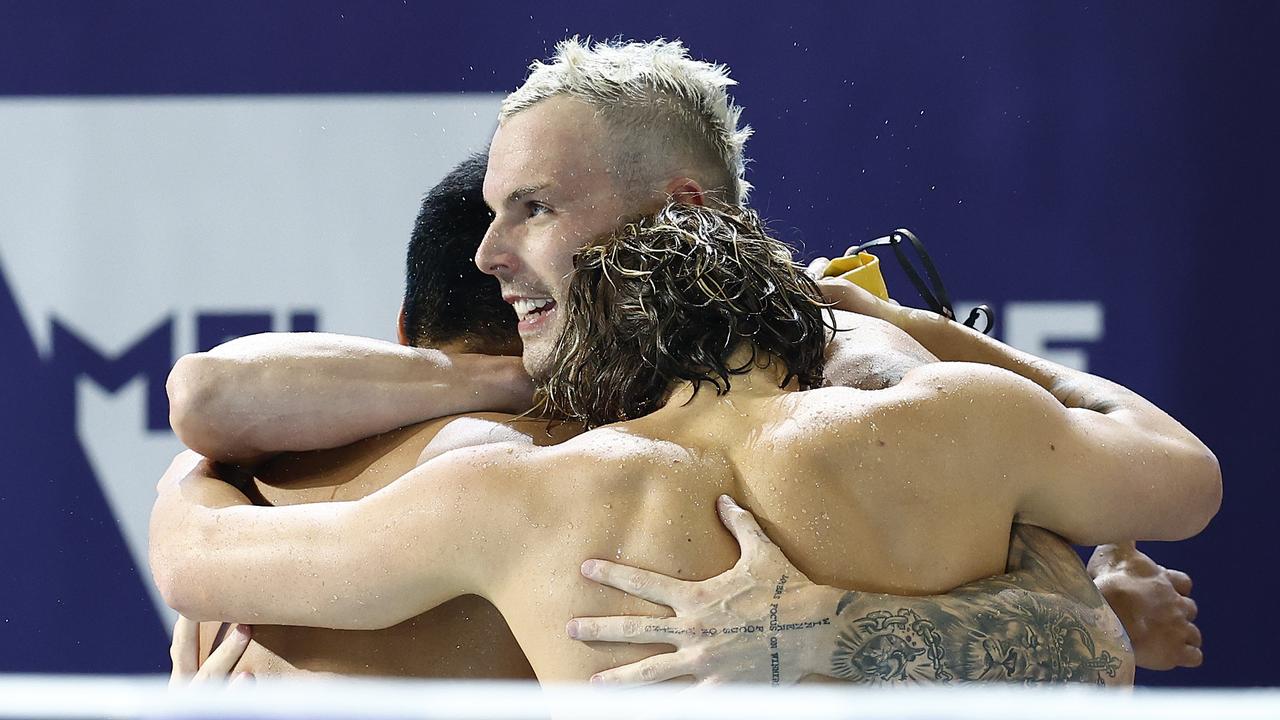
173 175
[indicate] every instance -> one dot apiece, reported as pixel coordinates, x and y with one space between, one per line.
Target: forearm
340 565
953 342
279 392
187 496
216 557
1131 450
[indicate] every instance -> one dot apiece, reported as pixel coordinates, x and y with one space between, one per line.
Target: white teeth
524 306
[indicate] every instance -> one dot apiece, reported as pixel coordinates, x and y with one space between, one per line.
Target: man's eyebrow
519 193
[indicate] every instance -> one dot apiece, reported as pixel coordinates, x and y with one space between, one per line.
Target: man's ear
401 335
686 190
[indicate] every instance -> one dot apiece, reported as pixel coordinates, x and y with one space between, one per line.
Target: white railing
73 697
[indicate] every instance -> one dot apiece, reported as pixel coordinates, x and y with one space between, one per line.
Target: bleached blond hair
666 111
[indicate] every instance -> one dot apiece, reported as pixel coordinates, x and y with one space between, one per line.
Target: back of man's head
675 297
447 300
667 114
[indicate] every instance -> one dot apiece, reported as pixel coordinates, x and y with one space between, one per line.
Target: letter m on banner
150 357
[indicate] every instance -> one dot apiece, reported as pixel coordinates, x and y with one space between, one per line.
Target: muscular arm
280 392
290 392
1085 457
358 565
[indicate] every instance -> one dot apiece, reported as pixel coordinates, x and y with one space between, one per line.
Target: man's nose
495 256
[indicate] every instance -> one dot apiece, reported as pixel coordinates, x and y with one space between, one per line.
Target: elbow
1207 490
191 387
171 591
198 387
1201 495
177 585
187 577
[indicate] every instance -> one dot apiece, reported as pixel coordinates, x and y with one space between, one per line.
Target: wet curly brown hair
670 298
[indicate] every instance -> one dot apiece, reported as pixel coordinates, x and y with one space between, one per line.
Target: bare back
863 502
464 638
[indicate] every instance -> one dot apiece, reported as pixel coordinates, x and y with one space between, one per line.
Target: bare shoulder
523 451
618 443
870 353
477 429
938 394
974 382
521 476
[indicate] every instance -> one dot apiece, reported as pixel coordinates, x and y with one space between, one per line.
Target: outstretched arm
358 565
283 392
765 621
1152 602
1094 461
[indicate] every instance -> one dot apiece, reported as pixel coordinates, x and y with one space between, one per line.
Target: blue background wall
1115 153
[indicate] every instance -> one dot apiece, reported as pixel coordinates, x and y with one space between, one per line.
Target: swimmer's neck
762 381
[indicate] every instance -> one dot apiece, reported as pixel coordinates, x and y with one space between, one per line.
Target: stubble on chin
537 362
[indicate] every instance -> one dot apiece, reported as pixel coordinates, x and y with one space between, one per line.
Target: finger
743 526
650 670
1190 657
630 629
817 267
643 584
1190 608
242 679
224 657
1180 581
1194 639
185 649
850 297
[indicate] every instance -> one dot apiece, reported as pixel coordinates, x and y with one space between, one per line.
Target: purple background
1117 152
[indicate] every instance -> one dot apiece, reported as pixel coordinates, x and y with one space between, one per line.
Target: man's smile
532 312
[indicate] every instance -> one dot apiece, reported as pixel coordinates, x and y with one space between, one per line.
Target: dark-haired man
462 638
501 520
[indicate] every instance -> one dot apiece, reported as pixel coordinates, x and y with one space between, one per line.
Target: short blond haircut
665 110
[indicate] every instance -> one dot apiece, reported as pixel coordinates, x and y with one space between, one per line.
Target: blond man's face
551 187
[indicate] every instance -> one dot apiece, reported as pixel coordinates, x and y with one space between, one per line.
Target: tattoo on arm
1015 636
1043 622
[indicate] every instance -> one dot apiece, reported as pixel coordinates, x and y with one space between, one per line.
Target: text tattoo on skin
774 629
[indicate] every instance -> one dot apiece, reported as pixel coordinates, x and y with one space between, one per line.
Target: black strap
934 293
